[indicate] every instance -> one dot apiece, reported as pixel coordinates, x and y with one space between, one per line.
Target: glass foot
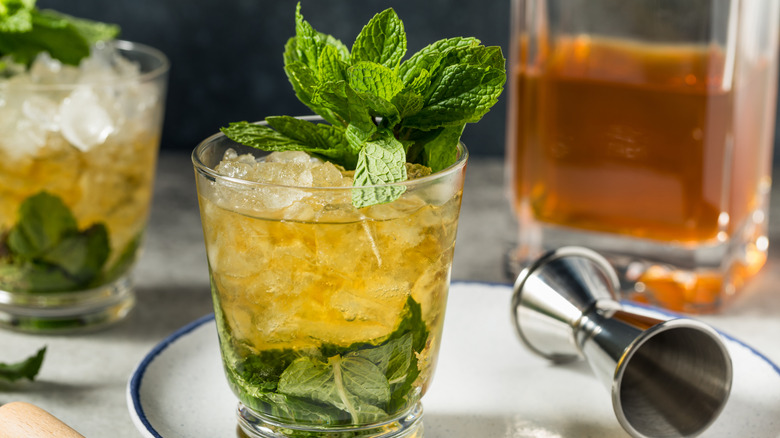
255 425
62 312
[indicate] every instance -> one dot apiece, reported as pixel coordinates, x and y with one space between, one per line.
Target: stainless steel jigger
668 377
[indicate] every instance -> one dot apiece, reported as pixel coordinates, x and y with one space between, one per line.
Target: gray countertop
84 377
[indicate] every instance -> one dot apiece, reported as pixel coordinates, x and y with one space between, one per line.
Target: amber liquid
636 140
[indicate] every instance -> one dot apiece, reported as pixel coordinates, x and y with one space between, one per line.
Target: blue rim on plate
134 385
136 380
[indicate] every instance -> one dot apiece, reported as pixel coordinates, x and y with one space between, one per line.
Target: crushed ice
287 174
106 96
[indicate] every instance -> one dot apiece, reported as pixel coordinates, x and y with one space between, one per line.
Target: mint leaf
410 100
357 136
331 65
304 83
359 109
352 384
393 358
381 41
464 87
91 31
300 410
292 134
312 58
326 140
441 151
429 57
65 38
381 161
375 79
47 251
43 222
81 255
26 369
16 15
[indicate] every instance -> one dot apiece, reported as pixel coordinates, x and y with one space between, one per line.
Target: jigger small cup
668 377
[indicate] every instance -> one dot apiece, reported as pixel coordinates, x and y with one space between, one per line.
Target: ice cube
46 70
138 100
41 111
101 65
328 175
84 122
21 137
288 157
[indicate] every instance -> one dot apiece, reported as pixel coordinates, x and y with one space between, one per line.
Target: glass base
694 279
62 312
255 425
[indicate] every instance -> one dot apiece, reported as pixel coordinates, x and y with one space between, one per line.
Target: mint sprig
26 31
382 111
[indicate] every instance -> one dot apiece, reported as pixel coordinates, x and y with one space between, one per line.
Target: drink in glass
79 147
329 316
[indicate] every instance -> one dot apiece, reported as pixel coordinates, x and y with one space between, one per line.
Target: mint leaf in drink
80 255
46 252
26 31
43 222
26 369
335 384
368 90
352 384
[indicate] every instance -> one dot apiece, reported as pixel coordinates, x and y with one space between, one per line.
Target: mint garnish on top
26 31
383 112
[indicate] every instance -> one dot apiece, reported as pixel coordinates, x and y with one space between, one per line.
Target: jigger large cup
668 377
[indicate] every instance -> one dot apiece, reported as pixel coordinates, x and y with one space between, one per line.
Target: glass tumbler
79 146
329 317
644 130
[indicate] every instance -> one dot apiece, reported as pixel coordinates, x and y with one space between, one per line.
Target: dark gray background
226 55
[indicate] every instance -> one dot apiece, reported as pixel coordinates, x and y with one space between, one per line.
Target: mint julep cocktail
330 238
80 121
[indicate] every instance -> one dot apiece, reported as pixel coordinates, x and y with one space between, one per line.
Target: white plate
487 384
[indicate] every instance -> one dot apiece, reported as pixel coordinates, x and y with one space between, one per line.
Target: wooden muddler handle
23 420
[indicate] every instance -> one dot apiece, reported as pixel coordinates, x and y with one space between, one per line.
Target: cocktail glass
79 149
329 316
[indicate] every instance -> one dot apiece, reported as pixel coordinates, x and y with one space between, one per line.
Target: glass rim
213 174
122 46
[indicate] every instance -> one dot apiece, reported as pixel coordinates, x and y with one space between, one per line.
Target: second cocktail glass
79 147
